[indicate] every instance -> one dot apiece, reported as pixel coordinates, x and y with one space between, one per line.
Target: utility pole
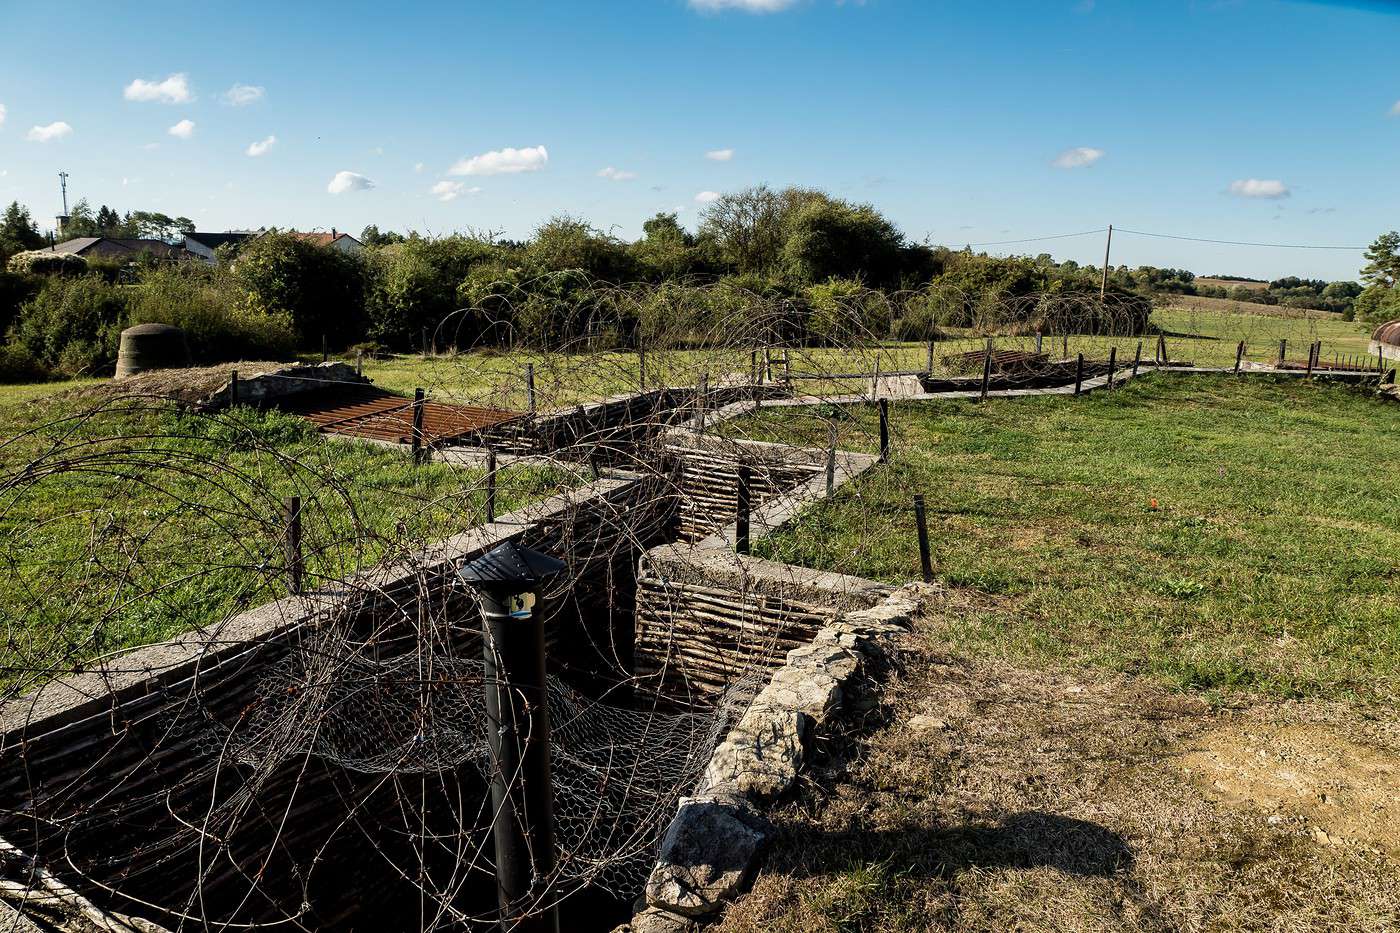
1107 250
63 190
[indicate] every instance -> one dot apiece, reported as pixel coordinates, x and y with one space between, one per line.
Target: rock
928 724
656 920
707 856
761 756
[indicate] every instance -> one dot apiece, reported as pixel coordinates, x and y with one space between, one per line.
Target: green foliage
321 290
414 285
1378 303
18 231
568 244
828 239
211 310
845 311
72 325
1383 261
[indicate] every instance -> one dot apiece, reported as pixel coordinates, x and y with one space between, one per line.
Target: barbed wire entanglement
243 683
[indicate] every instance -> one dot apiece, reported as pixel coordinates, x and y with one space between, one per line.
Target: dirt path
994 798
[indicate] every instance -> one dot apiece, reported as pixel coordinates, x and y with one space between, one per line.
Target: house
206 245
335 240
118 248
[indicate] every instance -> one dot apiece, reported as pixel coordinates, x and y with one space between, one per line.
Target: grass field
1211 532
130 525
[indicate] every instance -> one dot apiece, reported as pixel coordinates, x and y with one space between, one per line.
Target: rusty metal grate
369 412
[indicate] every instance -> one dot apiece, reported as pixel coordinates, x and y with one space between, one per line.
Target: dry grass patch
984 796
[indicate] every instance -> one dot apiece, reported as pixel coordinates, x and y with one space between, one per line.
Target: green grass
1213 531
129 526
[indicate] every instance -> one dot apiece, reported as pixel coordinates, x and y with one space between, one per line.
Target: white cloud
348 181
2 114
1079 157
707 197
43 134
720 155
182 130
1394 110
261 146
502 162
241 95
418 166
746 6
452 190
173 90
616 174
1260 188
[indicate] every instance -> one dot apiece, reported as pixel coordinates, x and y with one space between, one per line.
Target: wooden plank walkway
365 411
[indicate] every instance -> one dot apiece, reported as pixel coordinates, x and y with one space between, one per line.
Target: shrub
1377 303
414 285
43 262
320 289
18 365
72 325
209 307
845 311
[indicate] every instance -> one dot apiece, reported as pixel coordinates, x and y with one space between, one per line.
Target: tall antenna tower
63 189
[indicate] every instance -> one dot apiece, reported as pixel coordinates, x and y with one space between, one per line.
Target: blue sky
1252 120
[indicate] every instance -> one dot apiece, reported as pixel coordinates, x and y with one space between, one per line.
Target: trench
149 793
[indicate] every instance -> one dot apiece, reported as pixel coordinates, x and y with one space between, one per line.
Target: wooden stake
831 459
1112 365
233 388
884 430
987 370
1282 352
530 388
1137 359
1239 356
1079 374
921 520
490 484
295 563
417 439
741 524
929 367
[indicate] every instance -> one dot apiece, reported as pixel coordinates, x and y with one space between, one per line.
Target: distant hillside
1229 281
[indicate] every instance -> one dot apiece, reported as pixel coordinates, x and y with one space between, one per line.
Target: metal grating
370 412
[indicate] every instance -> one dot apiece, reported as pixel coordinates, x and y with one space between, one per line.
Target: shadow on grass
1031 839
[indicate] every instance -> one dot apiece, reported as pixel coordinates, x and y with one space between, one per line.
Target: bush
42 262
1377 304
320 289
72 325
18 365
414 285
845 311
210 308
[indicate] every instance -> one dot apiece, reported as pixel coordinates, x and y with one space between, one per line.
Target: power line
1039 239
1197 239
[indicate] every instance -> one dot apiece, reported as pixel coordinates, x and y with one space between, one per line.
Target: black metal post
1312 355
295 562
921 519
530 387
417 439
1079 374
1039 342
1162 349
1112 365
1137 359
518 734
490 484
743 498
1239 356
1282 352
233 388
884 430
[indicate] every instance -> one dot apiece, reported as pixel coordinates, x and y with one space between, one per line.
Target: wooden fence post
1162 356
1282 352
929 366
1239 356
884 430
986 371
831 459
359 362
1112 365
490 485
744 502
921 520
1079 374
233 388
1312 359
530 388
417 439
1039 342
787 367
294 558
1137 359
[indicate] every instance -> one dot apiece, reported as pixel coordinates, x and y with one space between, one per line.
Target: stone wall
260 388
712 849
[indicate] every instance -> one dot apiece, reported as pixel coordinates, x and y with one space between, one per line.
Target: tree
829 239
109 221
18 231
1383 261
370 236
748 228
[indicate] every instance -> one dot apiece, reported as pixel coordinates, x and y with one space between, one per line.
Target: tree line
833 268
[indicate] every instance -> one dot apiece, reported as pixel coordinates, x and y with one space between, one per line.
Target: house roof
322 239
215 240
118 246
